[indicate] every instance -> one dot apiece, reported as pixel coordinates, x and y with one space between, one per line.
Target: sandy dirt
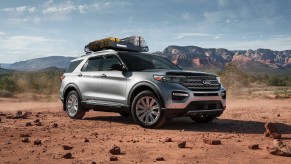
240 126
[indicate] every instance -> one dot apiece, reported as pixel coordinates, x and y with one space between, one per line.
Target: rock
55 125
254 147
280 149
212 141
9 116
115 150
278 115
18 113
28 124
160 159
168 140
36 121
68 156
86 140
2 114
66 147
37 142
113 158
24 135
93 162
182 144
38 124
0 119
25 140
272 131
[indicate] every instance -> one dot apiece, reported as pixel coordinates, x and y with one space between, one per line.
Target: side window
91 65
108 61
73 65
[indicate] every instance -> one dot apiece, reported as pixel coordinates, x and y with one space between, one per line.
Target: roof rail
97 52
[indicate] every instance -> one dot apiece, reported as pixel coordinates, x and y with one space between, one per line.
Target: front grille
204 105
199 83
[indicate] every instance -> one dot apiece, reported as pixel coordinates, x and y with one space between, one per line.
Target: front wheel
73 106
203 118
146 110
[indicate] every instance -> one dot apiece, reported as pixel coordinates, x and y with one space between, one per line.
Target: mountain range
189 57
44 63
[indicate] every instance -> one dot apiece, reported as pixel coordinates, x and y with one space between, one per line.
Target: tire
73 106
203 118
146 110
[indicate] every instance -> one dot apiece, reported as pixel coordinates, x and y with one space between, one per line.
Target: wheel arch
142 86
70 87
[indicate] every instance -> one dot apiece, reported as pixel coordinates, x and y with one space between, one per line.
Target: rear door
87 80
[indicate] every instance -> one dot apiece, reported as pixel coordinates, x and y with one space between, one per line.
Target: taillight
62 77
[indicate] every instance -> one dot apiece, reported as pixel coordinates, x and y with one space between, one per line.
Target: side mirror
117 67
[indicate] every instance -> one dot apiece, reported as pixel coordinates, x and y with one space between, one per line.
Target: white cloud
19 10
83 8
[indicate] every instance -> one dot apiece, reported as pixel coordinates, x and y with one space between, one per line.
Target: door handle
80 74
103 75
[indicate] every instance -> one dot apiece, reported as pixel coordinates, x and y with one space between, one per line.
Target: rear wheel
73 106
203 118
146 110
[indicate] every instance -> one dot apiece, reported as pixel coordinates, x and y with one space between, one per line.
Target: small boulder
38 124
160 159
66 147
36 120
37 142
55 125
115 150
86 140
182 144
254 147
212 141
68 156
168 140
276 135
28 124
25 140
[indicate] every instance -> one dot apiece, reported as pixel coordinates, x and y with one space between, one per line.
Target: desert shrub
234 79
5 93
34 82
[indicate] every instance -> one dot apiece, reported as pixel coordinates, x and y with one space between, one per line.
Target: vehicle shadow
218 125
224 125
117 119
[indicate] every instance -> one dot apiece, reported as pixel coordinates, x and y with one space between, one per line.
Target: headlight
218 79
172 79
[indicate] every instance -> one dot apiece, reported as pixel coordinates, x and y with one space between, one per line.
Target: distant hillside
260 60
5 71
42 63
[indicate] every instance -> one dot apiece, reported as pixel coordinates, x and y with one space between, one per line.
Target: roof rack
133 43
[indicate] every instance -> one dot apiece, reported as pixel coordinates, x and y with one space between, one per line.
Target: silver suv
148 88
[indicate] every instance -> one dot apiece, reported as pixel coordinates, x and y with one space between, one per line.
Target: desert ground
89 140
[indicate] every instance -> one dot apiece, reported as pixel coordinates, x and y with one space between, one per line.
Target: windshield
142 61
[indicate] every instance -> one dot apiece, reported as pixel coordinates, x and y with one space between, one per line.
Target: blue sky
34 28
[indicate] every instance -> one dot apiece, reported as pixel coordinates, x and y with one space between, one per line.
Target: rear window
73 66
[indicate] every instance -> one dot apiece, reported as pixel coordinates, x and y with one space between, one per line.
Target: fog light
223 94
179 95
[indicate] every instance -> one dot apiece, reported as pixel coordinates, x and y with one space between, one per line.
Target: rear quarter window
73 66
